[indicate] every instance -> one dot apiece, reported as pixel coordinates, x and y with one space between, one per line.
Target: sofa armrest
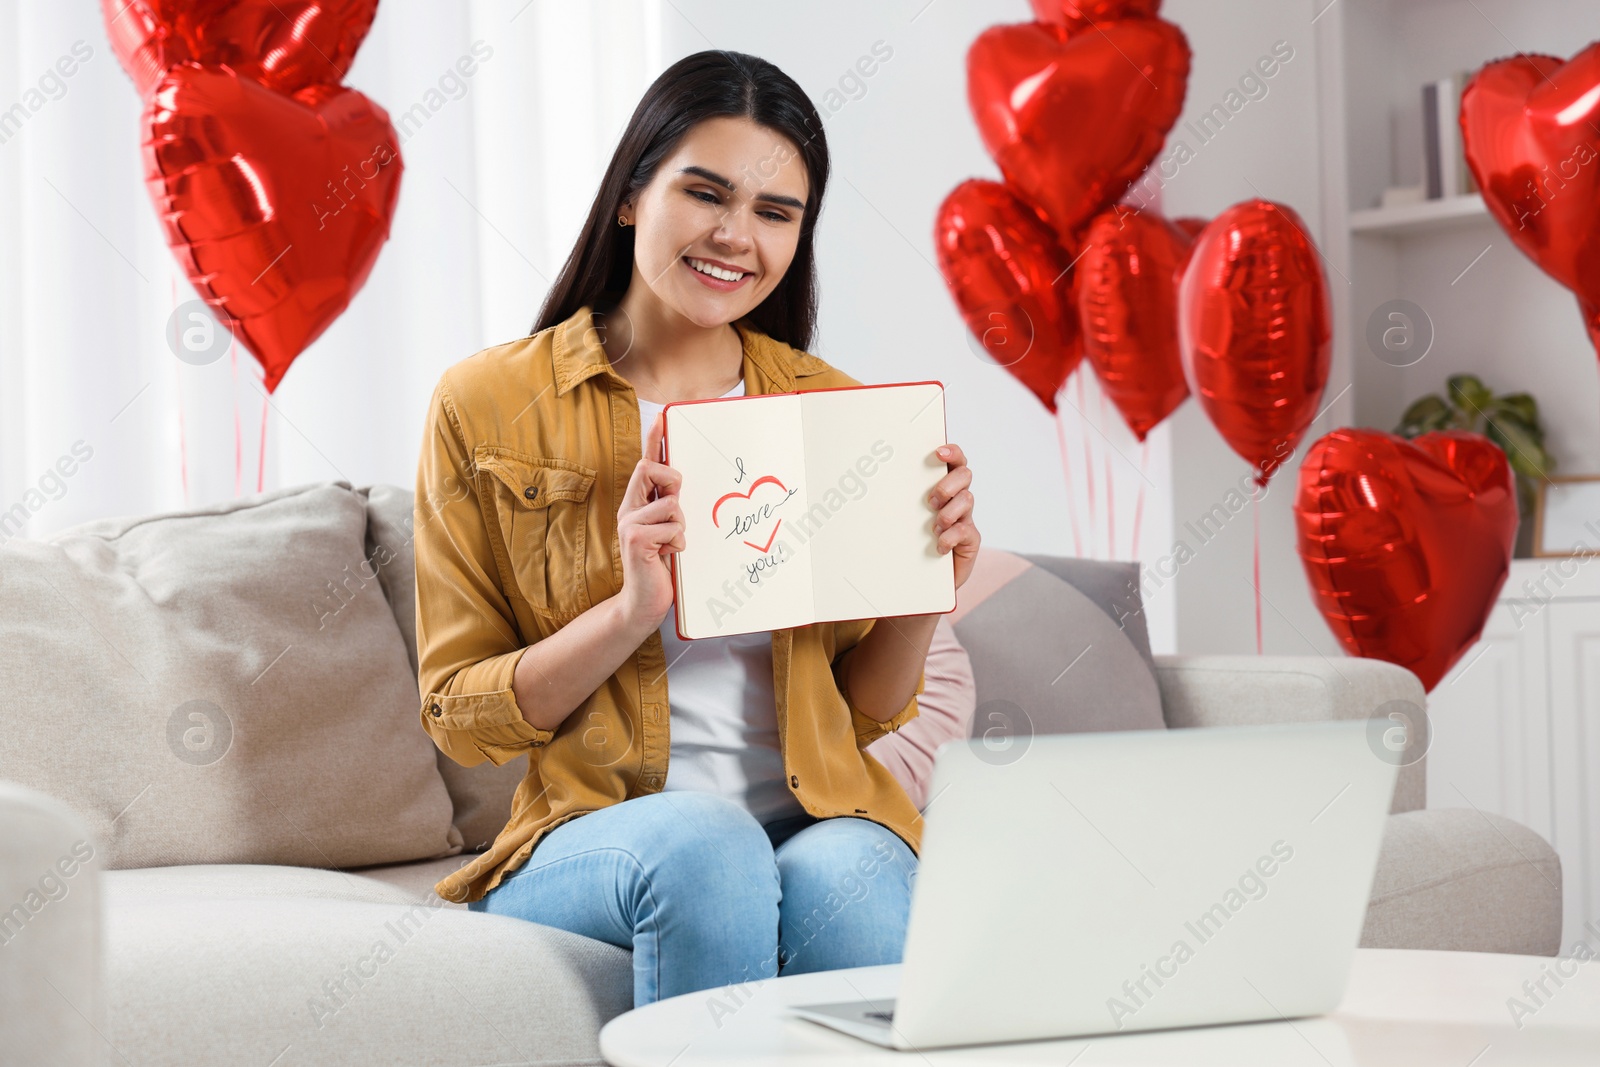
1226 690
52 1004
1464 881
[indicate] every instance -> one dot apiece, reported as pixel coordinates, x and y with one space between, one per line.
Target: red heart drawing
1406 543
276 206
1073 120
286 45
1530 126
746 496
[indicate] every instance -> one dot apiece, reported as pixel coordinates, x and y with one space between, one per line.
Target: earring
621 221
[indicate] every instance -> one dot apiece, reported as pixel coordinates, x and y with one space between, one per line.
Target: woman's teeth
716 272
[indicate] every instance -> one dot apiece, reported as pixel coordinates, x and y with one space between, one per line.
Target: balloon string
177 380
1111 505
238 431
1255 562
1138 504
261 462
1088 458
1066 476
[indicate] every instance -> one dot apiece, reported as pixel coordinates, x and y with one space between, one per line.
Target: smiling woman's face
730 198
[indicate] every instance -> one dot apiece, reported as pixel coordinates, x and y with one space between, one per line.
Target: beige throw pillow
224 684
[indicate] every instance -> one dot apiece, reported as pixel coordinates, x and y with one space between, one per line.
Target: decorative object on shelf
1511 421
1398 195
1566 516
1126 292
1531 128
1254 330
275 184
1444 165
1001 264
1073 119
1406 544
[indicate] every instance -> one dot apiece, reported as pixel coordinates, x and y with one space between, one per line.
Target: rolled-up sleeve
468 642
944 715
846 636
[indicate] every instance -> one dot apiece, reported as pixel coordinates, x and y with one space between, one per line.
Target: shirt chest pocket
541 512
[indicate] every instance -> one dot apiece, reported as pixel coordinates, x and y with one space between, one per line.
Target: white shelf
1424 216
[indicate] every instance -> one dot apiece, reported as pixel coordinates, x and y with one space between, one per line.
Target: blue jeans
706 896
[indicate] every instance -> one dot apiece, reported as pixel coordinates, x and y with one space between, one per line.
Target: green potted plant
1510 421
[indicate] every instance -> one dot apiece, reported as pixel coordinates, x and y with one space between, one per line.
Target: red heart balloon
1127 296
1254 330
1406 543
287 45
1073 120
1530 126
276 206
1011 281
142 40
1078 15
1191 224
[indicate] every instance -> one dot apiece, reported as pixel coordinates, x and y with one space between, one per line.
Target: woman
544 599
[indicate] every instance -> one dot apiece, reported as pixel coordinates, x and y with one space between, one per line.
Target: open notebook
808 507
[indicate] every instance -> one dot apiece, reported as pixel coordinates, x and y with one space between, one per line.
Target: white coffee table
1401 1009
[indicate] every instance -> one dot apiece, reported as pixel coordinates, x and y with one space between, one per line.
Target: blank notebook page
874 554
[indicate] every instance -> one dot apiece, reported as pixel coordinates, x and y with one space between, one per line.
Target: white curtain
97 415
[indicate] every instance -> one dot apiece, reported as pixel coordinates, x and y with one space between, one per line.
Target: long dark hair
710 84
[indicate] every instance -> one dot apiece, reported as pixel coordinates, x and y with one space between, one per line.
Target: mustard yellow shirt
527 450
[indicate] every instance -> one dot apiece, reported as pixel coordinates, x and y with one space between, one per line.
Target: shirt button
530 492
437 711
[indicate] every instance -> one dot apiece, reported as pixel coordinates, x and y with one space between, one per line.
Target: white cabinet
1516 723
1490 720
1574 642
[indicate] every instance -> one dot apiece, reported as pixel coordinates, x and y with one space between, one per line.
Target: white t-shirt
724 716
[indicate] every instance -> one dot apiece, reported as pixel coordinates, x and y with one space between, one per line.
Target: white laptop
1109 882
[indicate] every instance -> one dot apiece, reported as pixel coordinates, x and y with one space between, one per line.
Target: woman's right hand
648 531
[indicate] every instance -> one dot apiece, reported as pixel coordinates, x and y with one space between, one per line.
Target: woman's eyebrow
715 178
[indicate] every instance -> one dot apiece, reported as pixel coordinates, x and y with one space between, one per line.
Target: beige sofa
223 821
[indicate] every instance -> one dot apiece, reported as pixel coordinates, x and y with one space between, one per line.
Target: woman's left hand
952 499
